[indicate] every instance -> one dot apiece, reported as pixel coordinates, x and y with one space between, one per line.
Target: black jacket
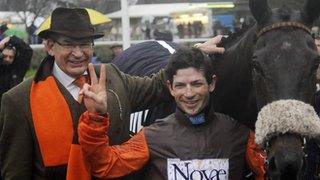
11 75
220 137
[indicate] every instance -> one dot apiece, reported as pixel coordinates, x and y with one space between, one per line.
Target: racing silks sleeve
104 161
255 157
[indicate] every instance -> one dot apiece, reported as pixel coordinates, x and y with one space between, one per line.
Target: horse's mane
234 75
234 37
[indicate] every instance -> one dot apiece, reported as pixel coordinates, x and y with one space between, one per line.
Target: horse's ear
260 10
311 11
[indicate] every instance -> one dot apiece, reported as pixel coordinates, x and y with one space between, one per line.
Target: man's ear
169 86
212 85
48 46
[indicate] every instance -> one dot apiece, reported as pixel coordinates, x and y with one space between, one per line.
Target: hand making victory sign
95 95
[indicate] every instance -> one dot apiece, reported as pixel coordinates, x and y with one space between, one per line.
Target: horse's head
285 158
284 56
281 129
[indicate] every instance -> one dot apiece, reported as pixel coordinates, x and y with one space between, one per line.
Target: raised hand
4 42
210 46
95 94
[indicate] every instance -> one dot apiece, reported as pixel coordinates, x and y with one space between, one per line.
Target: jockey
193 142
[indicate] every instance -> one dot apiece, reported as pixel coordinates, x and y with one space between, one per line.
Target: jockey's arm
106 161
255 157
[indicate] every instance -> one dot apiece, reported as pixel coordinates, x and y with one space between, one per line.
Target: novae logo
205 169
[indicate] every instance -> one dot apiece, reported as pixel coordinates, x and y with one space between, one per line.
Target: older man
39 118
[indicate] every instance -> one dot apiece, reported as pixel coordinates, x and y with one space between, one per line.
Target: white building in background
165 17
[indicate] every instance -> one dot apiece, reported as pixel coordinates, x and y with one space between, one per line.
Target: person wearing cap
39 118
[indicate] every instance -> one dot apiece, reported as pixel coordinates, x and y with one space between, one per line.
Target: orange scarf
54 129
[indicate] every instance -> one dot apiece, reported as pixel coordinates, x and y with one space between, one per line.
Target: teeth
190 102
77 62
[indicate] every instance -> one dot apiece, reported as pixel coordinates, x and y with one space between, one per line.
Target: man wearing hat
39 117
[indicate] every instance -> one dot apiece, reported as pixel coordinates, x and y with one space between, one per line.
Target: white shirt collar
61 76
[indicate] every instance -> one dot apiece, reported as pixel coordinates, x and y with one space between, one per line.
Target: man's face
71 55
191 90
117 51
317 41
8 56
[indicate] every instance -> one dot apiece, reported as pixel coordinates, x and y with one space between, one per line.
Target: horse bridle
284 24
268 28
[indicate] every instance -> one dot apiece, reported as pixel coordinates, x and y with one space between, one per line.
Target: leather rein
283 24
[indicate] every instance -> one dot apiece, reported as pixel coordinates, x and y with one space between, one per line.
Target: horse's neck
240 52
235 64
233 92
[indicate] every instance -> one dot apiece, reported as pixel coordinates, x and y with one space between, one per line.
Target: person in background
116 50
191 143
163 35
145 59
3 28
317 95
317 41
95 59
313 146
15 58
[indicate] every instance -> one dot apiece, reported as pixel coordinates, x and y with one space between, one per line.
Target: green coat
20 157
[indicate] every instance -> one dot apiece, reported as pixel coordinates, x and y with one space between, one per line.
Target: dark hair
186 57
163 35
11 48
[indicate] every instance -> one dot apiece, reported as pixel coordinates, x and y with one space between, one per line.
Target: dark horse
274 59
286 157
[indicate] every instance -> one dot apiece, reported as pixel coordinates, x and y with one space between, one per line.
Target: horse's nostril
272 171
271 164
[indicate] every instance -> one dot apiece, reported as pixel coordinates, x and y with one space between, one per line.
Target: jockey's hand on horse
210 46
95 94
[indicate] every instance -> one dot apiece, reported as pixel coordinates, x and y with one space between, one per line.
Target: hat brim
77 34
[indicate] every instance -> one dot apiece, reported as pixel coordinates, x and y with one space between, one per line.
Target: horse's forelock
285 13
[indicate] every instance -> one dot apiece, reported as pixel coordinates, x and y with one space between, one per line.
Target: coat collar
45 69
182 118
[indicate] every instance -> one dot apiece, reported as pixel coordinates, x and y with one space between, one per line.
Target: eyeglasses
71 46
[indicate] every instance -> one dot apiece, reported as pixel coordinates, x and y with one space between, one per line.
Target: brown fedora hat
70 22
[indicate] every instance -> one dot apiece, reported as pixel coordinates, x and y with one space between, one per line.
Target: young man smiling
193 143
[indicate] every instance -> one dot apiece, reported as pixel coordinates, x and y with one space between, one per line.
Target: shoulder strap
167 46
